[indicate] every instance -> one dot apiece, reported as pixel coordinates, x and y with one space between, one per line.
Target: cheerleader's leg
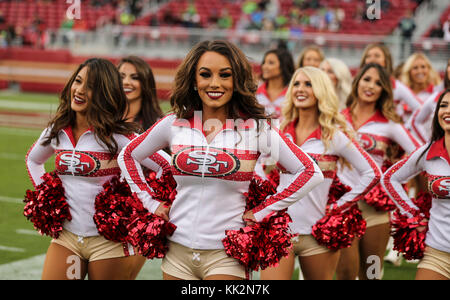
348 265
372 249
63 264
283 271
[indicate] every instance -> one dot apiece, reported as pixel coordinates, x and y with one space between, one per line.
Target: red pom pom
163 188
337 230
262 244
337 190
47 207
113 209
407 239
148 233
423 202
121 217
258 190
379 199
274 177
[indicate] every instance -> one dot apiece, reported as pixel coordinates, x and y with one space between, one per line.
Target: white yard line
11 249
12 156
31 269
20 131
25 269
11 200
13 104
27 232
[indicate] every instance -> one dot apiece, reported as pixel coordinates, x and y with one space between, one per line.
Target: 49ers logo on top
208 162
367 141
441 187
76 163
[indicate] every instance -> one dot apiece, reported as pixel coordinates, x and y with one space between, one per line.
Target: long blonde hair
330 119
433 76
344 78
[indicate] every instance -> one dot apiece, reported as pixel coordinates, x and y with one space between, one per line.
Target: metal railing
175 42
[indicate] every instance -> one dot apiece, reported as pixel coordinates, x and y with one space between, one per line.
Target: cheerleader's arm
404 138
36 157
393 179
302 169
406 95
420 117
144 150
369 173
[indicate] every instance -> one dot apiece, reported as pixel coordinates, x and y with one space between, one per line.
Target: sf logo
73 163
205 161
366 141
444 187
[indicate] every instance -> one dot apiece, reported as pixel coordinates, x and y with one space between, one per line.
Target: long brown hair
436 130
150 111
185 100
389 65
385 104
106 109
286 63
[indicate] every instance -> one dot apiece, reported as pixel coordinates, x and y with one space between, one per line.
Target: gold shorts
371 215
306 245
93 248
436 260
196 264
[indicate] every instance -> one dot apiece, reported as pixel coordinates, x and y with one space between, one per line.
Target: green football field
22 249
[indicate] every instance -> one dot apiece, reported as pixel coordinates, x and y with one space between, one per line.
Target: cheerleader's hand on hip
249 218
163 211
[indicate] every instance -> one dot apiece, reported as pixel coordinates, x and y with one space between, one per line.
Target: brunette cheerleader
432 158
370 111
213 158
86 134
276 71
406 102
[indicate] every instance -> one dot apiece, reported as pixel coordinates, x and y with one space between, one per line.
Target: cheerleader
433 159
86 135
140 88
419 75
276 71
340 76
370 111
310 56
421 119
216 134
404 99
311 119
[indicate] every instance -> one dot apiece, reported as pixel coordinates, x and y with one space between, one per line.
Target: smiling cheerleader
86 135
370 111
216 134
432 158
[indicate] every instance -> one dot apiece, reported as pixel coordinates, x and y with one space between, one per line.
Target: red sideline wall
48 70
